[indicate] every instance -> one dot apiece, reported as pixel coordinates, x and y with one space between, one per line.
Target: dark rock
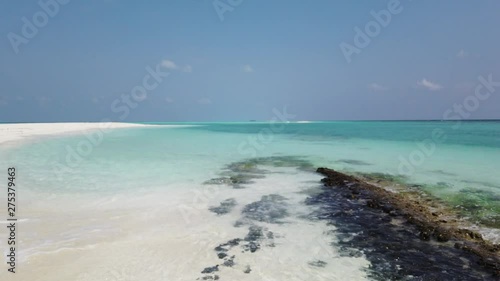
255 237
394 250
317 263
254 233
220 248
241 179
225 207
229 244
271 208
470 234
350 252
240 223
223 180
234 242
239 174
247 270
229 262
253 247
211 269
425 235
443 235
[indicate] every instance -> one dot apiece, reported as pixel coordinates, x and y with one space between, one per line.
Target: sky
240 60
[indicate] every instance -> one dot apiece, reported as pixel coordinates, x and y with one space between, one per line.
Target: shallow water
139 204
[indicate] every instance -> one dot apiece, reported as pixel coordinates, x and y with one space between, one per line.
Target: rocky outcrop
414 214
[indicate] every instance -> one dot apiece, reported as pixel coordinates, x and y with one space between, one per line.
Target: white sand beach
24 131
135 225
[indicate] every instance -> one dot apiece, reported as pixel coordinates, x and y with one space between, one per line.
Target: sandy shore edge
19 132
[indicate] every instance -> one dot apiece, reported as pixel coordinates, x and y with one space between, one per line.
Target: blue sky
241 63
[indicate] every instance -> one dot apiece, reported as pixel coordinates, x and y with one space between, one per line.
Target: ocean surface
228 199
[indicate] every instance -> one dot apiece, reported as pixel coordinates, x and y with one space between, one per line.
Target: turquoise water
115 182
151 157
476 133
465 157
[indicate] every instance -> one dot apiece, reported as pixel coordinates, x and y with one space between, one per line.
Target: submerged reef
401 229
225 207
241 174
482 206
401 234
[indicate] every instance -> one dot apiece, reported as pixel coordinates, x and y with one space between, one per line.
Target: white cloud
169 100
247 68
376 87
205 101
168 64
429 85
462 54
187 68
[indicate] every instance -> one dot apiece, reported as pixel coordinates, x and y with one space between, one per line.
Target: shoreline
19 132
425 219
401 229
